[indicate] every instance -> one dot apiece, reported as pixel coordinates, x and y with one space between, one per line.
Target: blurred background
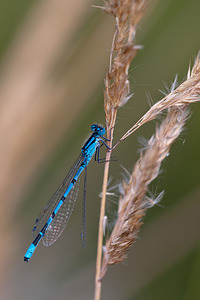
53 58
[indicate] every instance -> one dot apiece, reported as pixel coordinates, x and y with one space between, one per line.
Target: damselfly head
99 129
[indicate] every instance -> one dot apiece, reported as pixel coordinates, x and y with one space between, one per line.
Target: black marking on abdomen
37 239
73 181
42 232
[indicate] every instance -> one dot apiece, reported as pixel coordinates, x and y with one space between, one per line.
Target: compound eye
93 127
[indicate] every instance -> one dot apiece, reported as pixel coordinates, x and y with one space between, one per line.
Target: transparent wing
51 205
61 219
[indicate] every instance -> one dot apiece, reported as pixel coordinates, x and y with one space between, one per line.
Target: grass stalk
127 14
97 295
100 234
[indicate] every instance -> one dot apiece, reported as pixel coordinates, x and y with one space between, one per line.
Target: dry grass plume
134 201
127 15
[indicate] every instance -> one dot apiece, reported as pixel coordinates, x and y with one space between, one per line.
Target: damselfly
55 215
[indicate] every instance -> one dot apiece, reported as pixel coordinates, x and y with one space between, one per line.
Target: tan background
53 57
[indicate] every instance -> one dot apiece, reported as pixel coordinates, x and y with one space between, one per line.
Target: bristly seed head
134 202
117 92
